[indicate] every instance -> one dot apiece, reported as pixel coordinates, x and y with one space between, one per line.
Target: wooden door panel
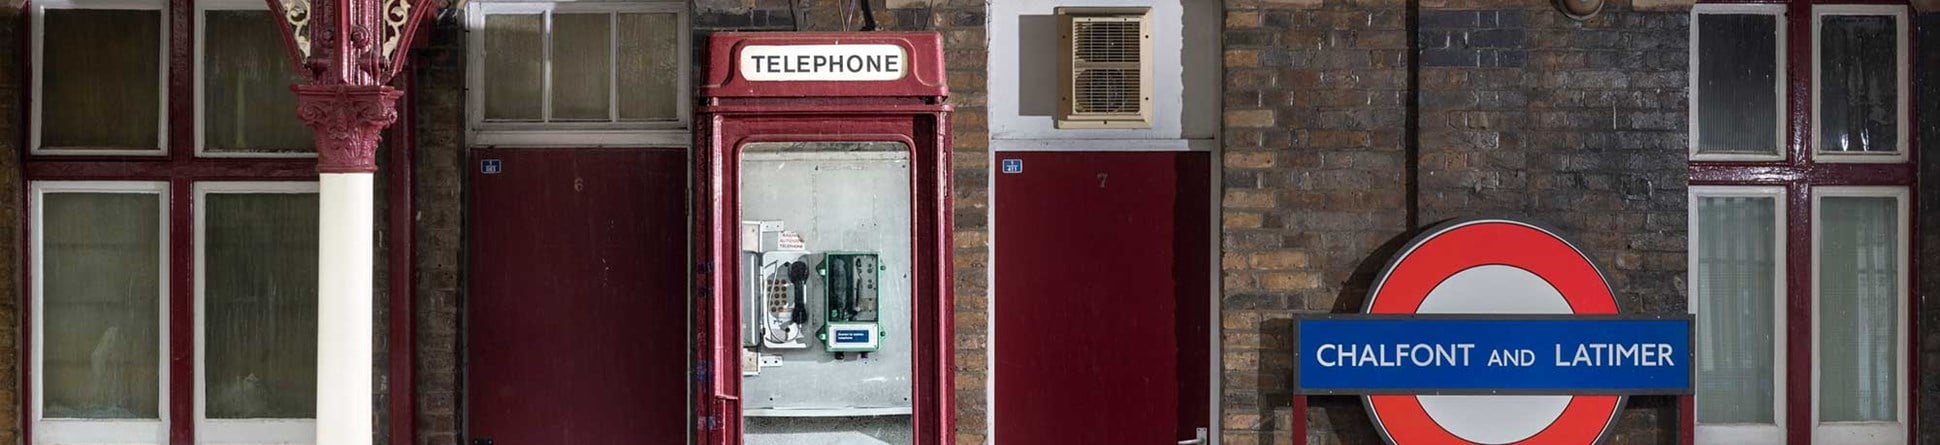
576 325
1102 299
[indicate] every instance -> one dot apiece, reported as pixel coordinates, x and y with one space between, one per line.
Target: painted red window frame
181 169
1797 174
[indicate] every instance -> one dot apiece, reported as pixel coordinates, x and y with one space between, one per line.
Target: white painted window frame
39 27
235 431
1780 112
1900 70
116 431
575 134
202 9
1842 433
1749 433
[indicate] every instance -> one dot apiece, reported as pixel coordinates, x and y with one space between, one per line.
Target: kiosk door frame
726 130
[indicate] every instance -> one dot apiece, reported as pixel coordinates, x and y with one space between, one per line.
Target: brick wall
1334 159
439 68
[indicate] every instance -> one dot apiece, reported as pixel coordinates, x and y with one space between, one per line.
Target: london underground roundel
1492 266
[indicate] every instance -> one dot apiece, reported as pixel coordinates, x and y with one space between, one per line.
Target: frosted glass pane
649 67
582 66
100 79
514 66
1858 84
247 103
1734 293
101 278
1858 309
1737 80
260 313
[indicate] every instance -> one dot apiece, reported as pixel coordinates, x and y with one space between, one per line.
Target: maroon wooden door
576 325
1102 297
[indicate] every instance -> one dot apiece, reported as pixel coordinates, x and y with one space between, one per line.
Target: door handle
1201 440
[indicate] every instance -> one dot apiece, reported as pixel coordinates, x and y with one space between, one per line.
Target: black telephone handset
798 276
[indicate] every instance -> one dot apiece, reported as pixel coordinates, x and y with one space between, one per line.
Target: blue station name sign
1499 354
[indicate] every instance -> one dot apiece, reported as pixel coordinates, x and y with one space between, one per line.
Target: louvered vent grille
1105 40
1105 58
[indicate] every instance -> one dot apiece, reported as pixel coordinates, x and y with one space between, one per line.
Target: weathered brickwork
438 191
1314 161
1340 145
1589 137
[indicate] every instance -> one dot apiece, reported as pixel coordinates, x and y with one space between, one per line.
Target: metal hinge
706 267
701 370
708 423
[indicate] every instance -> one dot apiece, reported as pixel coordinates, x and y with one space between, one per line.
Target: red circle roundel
1491 266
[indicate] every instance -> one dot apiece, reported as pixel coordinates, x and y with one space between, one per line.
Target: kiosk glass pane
1736 291
260 305
830 225
1859 322
101 271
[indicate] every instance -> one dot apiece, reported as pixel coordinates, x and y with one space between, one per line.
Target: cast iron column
347 51
348 121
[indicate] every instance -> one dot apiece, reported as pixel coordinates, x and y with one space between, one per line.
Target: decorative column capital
348 120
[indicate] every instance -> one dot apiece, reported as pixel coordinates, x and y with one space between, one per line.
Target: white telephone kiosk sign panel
863 62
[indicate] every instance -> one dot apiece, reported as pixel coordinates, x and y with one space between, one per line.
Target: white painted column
344 309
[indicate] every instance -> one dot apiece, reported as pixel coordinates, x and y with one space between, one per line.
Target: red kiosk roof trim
923 75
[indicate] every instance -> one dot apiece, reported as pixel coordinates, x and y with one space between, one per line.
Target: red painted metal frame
718 239
1798 173
181 169
824 112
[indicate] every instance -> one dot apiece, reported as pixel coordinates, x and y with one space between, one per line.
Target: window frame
1900 72
1800 174
1777 11
201 43
1866 432
675 132
64 430
1743 432
38 29
226 431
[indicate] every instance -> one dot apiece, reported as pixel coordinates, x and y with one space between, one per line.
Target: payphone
825 200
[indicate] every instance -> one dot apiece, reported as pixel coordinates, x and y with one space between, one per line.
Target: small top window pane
582 67
649 67
101 79
1858 84
1737 96
247 103
514 67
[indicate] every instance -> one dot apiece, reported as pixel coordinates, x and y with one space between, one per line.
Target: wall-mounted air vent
1106 76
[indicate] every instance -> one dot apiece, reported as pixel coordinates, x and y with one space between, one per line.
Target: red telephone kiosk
823 237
